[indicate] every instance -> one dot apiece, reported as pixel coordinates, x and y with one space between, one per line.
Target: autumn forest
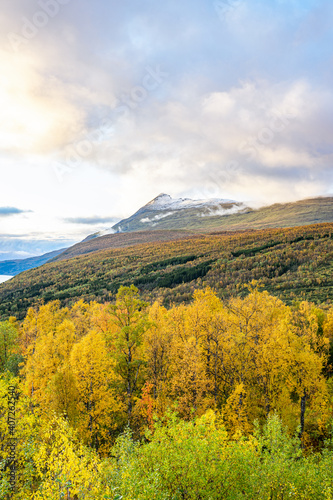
208 398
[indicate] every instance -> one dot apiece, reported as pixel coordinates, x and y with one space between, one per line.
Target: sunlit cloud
108 104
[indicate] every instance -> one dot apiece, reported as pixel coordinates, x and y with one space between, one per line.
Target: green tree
9 351
130 321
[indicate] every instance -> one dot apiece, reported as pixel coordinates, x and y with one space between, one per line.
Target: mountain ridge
188 218
183 222
163 206
167 213
16 266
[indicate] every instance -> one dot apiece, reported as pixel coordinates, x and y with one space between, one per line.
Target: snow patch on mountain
165 202
156 217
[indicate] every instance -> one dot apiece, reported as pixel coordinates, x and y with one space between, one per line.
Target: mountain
167 219
14 267
165 212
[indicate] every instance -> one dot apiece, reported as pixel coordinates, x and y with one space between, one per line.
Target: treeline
207 400
294 263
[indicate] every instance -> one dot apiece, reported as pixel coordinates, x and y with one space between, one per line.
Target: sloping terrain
298 213
292 264
164 212
186 221
120 240
14 267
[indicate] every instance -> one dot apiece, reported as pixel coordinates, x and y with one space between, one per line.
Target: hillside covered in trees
211 400
292 264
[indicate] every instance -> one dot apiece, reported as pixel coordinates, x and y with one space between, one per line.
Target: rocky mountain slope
165 212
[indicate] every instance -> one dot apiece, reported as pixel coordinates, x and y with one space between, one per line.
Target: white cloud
244 113
220 211
254 131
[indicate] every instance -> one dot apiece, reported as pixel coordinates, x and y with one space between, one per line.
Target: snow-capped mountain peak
165 212
166 202
161 199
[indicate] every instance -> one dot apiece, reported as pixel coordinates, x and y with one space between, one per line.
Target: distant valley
14 267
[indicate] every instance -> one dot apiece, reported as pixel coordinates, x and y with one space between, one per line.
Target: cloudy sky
106 104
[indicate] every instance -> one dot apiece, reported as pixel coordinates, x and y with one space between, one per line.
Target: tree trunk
90 406
129 387
267 401
215 383
303 408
